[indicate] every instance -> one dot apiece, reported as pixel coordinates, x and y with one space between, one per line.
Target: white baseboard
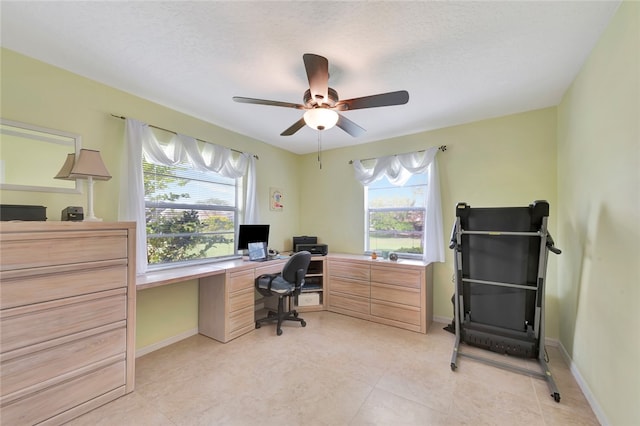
575 372
171 340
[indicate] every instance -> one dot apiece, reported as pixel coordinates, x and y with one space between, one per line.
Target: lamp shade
89 164
321 118
65 171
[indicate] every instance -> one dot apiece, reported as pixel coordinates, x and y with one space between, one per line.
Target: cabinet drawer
242 318
242 299
349 286
396 275
57 399
22 328
43 284
351 303
240 281
349 270
270 268
396 294
42 249
28 370
405 314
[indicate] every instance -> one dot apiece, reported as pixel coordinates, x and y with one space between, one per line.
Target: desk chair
288 283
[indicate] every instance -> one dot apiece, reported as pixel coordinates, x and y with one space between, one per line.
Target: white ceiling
459 61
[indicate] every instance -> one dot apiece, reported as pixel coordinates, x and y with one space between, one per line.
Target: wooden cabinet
349 287
226 302
67 319
397 294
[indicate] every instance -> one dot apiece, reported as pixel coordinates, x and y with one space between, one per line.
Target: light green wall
170 306
599 218
37 93
507 161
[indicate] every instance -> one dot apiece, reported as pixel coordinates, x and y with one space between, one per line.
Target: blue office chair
288 283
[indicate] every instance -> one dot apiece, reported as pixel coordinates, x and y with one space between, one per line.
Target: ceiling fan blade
318 74
384 99
294 128
349 126
267 102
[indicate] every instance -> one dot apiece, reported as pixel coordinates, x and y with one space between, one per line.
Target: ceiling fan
321 102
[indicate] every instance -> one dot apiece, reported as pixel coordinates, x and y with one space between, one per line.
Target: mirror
30 156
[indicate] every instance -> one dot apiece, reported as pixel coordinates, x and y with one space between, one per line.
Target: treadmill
500 264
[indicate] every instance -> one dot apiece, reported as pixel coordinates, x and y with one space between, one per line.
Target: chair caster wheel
258 325
295 314
303 323
556 397
279 332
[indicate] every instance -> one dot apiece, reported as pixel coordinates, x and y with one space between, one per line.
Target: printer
310 244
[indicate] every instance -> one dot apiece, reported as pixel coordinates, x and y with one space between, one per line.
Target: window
395 216
190 215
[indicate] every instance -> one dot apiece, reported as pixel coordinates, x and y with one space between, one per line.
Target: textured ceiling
459 61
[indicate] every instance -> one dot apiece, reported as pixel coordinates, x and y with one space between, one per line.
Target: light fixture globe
321 118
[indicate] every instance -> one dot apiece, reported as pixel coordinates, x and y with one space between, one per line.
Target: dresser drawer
26 287
396 294
349 286
396 275
242 299
33 250
403 314
349 270
33 324
242 318
240 281
30 369
350 303
57 399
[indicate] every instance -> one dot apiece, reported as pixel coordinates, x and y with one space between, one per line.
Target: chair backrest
298 262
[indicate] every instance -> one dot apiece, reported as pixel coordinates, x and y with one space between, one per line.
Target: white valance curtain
140 140
398 169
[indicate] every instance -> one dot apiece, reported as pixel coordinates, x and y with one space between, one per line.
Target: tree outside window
190 215
394 216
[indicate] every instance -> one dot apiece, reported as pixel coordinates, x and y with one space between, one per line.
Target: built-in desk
393 293
226 293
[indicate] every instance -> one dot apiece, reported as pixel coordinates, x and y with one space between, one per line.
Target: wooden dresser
392 293
67 319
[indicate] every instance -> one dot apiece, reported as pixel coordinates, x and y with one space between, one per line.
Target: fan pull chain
319 147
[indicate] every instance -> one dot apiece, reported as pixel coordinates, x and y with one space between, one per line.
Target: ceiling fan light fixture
321 118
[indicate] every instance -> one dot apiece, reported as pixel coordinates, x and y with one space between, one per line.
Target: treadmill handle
551 246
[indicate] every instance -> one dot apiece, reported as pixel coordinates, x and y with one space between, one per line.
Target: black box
21 212
72 213
303 240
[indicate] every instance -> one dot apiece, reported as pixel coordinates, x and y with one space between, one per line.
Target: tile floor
337 371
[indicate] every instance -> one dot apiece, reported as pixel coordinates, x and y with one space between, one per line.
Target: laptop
258 252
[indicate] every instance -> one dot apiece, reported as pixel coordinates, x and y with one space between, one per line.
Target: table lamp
89 166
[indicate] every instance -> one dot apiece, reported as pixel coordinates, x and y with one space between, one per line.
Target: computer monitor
252 234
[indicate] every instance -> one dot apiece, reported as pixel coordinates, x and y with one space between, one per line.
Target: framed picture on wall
276 199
